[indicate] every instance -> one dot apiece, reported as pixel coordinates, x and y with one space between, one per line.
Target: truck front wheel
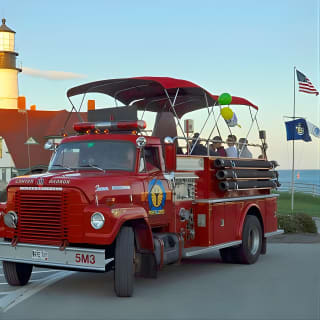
250 249
17 274
124 262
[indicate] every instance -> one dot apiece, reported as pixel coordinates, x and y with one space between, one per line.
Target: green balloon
224 99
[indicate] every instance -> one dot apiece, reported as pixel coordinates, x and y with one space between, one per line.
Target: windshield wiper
92 166
63 167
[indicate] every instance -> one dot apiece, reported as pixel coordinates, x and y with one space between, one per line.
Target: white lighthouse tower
8 70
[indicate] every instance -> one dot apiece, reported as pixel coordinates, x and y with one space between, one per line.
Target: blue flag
297 130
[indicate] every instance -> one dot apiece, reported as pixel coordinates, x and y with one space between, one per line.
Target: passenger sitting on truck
179 150
218 148
212 150
244 152
196 147
232 151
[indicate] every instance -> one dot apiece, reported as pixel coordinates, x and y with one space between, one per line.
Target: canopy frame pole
69 115
226 122
252 122
215 125
247 135
122 90
194 145
174 110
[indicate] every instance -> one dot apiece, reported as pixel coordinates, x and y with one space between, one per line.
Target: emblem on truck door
156 197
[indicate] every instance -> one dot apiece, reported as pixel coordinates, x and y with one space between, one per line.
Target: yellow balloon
226 113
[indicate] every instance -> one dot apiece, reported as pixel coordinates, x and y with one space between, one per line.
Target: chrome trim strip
201 250
56 257
265 196
274 233
60 265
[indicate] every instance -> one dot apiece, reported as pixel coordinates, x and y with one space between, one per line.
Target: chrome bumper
274 233
76 258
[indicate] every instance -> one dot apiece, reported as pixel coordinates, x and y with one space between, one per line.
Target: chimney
91 105
33 107
22 103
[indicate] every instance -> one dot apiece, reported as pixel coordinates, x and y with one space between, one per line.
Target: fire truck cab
116 199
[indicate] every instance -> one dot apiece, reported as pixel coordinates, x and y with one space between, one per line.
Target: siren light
97 127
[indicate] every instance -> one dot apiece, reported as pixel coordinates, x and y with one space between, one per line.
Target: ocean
300 176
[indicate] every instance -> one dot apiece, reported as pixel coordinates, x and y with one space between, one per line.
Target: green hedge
297 223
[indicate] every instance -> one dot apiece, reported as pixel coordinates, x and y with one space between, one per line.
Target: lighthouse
8 70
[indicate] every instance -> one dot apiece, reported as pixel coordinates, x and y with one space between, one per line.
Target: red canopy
148 93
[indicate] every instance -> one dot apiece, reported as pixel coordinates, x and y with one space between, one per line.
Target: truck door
158 195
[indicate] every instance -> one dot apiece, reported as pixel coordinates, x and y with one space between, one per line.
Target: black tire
124 263
17 274
249 251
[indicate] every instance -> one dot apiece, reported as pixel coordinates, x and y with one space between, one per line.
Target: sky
246 48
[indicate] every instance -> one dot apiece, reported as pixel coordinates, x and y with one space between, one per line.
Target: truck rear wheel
228 255
124 263
250 249
17 274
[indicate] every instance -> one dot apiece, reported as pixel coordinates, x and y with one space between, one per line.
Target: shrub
297 223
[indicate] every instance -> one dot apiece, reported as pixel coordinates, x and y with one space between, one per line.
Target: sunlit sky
247 48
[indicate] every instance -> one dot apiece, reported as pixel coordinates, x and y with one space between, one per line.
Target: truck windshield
95 155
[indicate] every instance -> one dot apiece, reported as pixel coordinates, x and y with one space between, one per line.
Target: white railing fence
313 189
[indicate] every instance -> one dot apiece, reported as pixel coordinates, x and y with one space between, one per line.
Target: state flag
297 130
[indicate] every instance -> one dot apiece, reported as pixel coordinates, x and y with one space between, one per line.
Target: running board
201 250
274 233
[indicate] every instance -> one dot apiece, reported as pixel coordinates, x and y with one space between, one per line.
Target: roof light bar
83 127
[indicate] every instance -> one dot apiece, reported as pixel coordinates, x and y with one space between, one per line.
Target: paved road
284 284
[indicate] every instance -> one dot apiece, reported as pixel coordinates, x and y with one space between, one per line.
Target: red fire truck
117 199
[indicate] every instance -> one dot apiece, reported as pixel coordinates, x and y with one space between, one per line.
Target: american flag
305 84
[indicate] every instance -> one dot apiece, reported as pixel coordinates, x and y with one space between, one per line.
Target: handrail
209 141
308 188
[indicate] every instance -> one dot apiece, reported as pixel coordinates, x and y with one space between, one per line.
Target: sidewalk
317 221
296 238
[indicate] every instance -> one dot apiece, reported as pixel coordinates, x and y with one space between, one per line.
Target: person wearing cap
216 149
244 152
196 147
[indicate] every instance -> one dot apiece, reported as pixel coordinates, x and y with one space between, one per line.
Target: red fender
243 217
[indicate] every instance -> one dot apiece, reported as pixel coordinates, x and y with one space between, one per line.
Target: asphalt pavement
284 284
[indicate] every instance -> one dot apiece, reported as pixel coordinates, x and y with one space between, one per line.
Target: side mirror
49 145
141 142
170 154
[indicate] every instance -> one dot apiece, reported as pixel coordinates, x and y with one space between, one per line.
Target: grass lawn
303 203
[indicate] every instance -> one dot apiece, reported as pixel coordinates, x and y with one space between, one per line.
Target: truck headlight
97 220
10 219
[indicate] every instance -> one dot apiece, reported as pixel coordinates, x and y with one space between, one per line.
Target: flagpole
294 116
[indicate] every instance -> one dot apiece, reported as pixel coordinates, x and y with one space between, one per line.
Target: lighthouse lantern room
8 70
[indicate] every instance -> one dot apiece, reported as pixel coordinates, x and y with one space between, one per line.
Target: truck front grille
41 217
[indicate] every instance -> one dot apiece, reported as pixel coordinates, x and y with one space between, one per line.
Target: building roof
4 28
17 126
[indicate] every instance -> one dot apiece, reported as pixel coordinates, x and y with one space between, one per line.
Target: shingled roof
17 126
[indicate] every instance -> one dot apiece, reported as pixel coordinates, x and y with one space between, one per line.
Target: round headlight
97 220
11 219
